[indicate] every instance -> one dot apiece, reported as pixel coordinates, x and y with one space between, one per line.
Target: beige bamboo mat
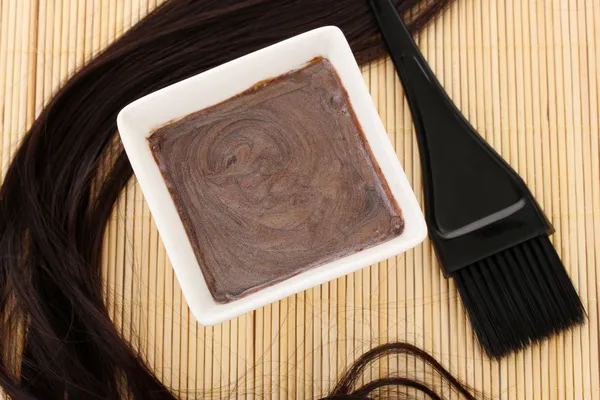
525 72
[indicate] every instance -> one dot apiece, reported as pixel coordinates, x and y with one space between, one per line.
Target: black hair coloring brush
489 233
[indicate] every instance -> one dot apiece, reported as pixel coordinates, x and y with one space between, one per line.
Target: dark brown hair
388 386
56 338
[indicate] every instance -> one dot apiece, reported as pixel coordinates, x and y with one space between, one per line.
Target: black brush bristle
519 296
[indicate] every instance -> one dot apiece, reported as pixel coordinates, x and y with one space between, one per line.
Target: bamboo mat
525 72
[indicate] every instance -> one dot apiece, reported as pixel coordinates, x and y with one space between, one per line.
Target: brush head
519 296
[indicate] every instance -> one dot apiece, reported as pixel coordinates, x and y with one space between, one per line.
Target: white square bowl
138 120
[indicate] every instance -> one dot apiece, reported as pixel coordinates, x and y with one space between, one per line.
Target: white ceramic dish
138 120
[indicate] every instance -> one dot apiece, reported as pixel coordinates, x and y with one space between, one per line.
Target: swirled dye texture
274 181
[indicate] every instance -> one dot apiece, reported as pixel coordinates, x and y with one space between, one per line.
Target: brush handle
467 185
